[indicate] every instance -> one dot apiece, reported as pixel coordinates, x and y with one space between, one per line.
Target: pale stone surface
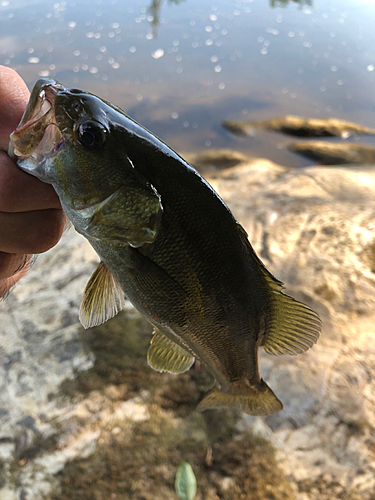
314 229
300 127
332 153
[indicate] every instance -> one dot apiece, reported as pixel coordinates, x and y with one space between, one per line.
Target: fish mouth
38 134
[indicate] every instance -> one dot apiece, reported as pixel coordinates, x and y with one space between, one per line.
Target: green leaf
185 484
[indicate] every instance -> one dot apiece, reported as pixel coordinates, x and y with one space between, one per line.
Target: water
181 67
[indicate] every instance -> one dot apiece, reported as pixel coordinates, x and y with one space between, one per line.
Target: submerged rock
334 153
300 127
65 393
216 159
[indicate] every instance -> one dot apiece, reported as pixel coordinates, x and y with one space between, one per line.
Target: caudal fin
260 402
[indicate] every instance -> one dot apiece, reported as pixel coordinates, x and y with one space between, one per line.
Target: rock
314 229
330 153
260 428
300 127
214 159
226 483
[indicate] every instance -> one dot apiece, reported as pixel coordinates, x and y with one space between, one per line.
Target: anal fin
102 298
165 355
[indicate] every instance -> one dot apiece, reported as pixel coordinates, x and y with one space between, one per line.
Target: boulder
334 153
300 127
314 229
214 159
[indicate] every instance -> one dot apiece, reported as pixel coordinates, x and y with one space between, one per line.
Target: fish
166 241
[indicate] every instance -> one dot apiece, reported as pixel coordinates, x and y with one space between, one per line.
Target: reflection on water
181 68
284 3
154 10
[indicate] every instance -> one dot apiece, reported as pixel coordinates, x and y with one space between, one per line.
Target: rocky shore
65 394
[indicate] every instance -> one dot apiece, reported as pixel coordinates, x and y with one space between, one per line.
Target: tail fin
260 402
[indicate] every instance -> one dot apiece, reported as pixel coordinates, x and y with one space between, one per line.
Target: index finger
22 192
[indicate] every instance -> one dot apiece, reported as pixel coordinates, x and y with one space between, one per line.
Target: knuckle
48 234
11 263
6 264
6 193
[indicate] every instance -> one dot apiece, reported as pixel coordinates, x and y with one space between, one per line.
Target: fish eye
91 134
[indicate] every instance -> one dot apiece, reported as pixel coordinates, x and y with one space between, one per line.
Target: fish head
68 138
77 142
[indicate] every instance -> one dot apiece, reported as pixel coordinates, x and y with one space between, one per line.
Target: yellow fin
165 355
260 402
294 327
102 298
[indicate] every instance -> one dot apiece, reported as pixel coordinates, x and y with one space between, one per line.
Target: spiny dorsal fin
102 298
165 355
294 327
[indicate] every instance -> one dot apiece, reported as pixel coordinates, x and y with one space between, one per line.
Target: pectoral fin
102 298
131 215
165 355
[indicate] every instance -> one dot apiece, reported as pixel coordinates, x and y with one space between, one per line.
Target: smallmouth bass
167 241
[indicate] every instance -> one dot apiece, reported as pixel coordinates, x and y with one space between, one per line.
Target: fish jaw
38 137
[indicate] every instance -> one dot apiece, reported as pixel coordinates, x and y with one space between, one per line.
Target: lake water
181 67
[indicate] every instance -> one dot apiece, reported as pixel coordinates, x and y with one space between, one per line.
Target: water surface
181 67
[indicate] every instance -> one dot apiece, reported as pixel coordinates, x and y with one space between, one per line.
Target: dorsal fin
294 327
165 355
102 298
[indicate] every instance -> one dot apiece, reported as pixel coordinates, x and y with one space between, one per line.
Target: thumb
14 96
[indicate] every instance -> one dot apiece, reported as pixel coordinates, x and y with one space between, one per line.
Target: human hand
31 218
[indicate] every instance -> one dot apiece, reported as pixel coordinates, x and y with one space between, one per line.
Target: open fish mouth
38 134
